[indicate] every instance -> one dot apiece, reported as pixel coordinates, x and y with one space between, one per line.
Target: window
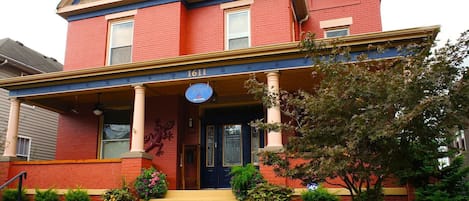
232 146
23 147
336 33
255 145
336 27
210 150
120 42
115 133
237 30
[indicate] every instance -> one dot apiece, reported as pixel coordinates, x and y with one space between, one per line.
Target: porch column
138 120
274 138
12 129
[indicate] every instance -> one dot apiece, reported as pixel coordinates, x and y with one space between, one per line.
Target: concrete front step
198 195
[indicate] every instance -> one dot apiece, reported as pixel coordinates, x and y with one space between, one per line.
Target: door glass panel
232 145
255 141
210 149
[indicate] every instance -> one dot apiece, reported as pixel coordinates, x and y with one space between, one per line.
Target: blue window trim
183 74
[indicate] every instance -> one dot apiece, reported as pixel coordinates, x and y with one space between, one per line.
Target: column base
9 158
276 149
135 154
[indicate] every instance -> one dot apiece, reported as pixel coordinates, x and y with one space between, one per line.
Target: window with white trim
120 41
238 28
331 33
115 135
23 147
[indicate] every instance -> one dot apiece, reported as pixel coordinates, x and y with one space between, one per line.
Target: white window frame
28 155
337 29
102 141
229 36
111 34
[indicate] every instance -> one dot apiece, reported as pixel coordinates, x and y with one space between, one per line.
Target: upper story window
336 32
120 41
336 27
238 28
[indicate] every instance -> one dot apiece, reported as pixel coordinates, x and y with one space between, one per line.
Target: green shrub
77 195
320 194
48 195
452 184
372 194
269 192
12 195
244 179
119 194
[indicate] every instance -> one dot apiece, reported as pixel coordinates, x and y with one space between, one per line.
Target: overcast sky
35 24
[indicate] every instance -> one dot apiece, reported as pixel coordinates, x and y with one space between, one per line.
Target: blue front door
227 141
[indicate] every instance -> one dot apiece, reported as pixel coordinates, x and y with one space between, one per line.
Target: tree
369 120
452 184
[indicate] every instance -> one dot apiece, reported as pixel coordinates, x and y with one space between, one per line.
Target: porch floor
198 195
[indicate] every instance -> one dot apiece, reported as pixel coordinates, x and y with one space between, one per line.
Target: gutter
21 65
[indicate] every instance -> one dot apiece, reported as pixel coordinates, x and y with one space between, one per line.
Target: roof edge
419 33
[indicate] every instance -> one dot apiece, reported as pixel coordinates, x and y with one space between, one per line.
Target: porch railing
19 176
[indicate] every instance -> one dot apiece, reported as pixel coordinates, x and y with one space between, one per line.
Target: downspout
300 22
299 25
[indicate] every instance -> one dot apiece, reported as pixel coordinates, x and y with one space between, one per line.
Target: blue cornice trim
204 3
119 9
185 75
75 2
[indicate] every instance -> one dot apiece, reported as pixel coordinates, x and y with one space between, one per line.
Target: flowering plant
151 183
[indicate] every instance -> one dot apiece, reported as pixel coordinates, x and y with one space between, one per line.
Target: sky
36 24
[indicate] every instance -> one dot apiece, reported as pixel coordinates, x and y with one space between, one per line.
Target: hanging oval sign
199 93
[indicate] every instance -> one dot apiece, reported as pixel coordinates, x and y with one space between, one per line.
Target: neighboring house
161 83
38 128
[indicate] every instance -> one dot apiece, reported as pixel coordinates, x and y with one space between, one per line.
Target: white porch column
274 138
138 120
12 129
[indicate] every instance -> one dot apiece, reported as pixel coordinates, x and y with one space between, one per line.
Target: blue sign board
199 93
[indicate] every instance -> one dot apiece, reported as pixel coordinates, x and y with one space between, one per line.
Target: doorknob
216 145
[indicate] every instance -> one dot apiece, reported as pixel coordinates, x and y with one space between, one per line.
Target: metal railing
19 176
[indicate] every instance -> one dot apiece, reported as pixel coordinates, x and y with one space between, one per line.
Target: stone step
198 195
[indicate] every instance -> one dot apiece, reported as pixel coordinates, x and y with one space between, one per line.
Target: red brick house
161 82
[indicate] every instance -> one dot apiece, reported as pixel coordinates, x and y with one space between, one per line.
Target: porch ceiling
227 89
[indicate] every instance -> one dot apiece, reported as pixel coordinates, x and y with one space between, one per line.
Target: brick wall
165 110
366 15
271 22
132 167
86 44
204 30
70 174
157 32
77 136
170 30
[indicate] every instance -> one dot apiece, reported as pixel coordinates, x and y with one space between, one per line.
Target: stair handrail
19 176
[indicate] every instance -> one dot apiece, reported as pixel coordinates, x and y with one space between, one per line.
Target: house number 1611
197 72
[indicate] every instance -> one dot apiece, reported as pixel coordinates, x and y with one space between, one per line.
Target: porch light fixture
98 111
